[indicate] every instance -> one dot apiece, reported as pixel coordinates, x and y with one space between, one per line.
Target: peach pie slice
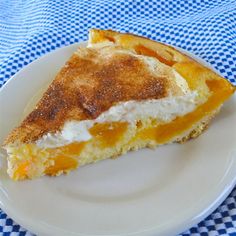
122 92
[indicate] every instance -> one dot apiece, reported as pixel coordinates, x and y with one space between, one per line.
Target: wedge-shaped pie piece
122 92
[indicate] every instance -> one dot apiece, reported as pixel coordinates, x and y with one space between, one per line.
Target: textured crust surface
93 80
90 83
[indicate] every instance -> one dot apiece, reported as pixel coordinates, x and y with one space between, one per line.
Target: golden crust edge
181 56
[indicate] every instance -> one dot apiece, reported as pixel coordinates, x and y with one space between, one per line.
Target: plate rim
220 195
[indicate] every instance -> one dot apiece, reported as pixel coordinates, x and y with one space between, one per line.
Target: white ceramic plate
161 192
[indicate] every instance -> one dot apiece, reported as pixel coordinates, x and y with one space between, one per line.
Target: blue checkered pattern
31 28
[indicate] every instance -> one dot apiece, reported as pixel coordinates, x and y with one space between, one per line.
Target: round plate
162 191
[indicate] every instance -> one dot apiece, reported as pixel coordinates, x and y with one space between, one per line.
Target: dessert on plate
122 92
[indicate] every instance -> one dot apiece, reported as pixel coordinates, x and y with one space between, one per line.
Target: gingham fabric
32 28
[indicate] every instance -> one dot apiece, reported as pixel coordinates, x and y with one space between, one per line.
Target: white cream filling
165 109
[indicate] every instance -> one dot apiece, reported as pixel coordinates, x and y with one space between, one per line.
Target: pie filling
54 161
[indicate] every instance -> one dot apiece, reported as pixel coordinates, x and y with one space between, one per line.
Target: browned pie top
90 83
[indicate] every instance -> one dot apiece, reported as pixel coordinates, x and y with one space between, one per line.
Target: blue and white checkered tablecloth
207 28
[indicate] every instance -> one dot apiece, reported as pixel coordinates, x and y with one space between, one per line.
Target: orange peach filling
65 160
72 149
61 163
21 170
108 134
142 50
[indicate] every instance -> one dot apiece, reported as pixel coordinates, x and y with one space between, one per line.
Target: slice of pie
122 92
